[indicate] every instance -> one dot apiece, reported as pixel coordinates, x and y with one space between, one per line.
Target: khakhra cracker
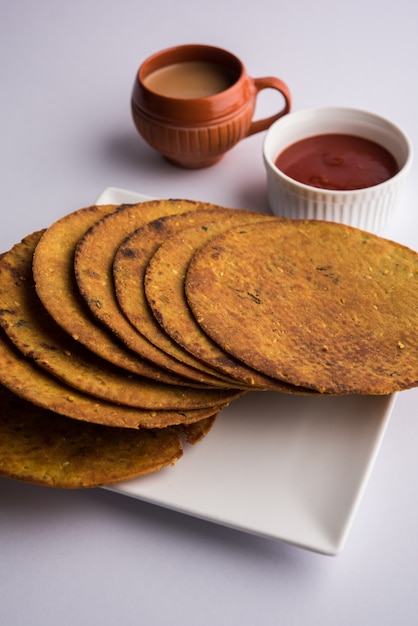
129 270
56 287
93 265
164 289
313 307
320 304
32 383
47 449
37 335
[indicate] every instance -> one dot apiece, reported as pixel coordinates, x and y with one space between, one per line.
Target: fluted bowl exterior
370 208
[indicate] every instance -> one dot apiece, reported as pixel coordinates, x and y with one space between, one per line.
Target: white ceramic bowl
370 208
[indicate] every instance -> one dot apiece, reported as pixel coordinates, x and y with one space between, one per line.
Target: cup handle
270 82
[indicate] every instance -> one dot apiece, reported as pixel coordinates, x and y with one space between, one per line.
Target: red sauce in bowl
337 161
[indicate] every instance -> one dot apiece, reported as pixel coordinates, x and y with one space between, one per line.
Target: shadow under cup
195 130
369 208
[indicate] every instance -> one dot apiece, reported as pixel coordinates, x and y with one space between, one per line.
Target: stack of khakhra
127 329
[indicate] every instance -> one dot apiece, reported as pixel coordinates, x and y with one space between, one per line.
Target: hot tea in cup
192 79
193 103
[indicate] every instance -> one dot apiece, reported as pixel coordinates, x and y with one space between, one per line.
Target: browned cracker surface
164 286
130 265
22 376
41 447
93 262
53 269
39 337
319 304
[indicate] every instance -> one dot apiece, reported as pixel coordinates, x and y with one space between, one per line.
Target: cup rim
177 52
291 182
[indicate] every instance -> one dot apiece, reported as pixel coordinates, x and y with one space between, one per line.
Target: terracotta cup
195 131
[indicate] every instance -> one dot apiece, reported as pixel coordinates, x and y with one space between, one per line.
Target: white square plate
290 468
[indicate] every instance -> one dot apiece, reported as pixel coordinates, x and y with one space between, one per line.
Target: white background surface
66 73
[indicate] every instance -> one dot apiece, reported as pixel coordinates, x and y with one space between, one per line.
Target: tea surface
191 79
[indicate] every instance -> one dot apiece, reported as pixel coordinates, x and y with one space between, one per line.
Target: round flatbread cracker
53 269
313 303
93 264
129 268
30 382
164 288
41 447
34 332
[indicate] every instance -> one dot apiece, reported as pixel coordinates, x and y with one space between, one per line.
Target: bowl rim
335 193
